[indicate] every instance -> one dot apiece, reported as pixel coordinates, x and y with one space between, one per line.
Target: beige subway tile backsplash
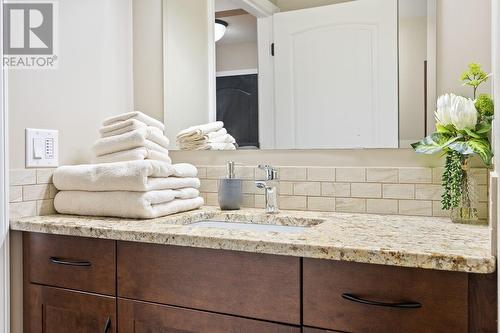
481 175
428 192
44 176
202 172
321 174
292 202
245 172
321 204
336 189
415 175
437 210
350 205
292 173
15 194
260 201
307 188
36 192
415 207
22 177
382 175
382 206
216 172
22 209
285 188
209 185
248 201
437 175
408 191
366 190
211 199
45 207
398 191
350 175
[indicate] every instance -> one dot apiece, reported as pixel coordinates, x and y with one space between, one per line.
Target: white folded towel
197 132
227 138
137 115
144 175
136 154
213 135
208 146
148 137
144 205
123 127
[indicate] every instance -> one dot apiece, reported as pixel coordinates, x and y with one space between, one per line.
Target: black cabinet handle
107 325
402 305
60 261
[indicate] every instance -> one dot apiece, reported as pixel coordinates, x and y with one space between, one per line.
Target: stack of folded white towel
211 136
129 137
133 189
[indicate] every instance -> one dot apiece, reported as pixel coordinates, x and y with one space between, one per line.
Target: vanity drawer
85 264
245 284
145 317
343 296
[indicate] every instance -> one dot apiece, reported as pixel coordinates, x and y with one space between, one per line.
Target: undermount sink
271 225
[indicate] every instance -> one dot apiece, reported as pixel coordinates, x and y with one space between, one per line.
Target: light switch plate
42 148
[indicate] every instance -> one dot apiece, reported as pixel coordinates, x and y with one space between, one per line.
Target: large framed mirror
299 74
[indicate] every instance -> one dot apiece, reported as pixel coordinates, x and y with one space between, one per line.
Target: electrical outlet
42 148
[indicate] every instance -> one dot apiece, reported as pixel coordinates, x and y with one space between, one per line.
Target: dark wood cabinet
244 284
77 263
141 317
383 298
81 285
316 330
54 310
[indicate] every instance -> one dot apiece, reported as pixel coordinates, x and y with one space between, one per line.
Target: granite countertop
423 242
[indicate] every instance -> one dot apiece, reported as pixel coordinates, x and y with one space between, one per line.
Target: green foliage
458 145
452 180
482 148
474 76
433 143
484 105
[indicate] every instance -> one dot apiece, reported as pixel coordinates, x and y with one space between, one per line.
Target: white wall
94 80
412 54
148 57
186 65
236 56
463 36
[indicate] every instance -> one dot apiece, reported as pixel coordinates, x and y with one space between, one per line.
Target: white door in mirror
42 148
336 76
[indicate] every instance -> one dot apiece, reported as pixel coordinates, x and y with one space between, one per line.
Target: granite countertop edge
418 242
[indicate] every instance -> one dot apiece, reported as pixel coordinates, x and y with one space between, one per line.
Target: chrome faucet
271 196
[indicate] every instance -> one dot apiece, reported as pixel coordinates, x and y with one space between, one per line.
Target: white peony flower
456 110
463 113
443 113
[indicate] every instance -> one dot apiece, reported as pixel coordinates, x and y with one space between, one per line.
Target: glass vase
467 210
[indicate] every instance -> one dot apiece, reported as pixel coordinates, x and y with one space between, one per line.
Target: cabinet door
251 285
141 317
359 298
54 310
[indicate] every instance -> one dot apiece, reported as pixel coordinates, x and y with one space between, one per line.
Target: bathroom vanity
331 273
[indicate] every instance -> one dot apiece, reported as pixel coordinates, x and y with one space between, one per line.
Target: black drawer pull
60 261
107 325
402 305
